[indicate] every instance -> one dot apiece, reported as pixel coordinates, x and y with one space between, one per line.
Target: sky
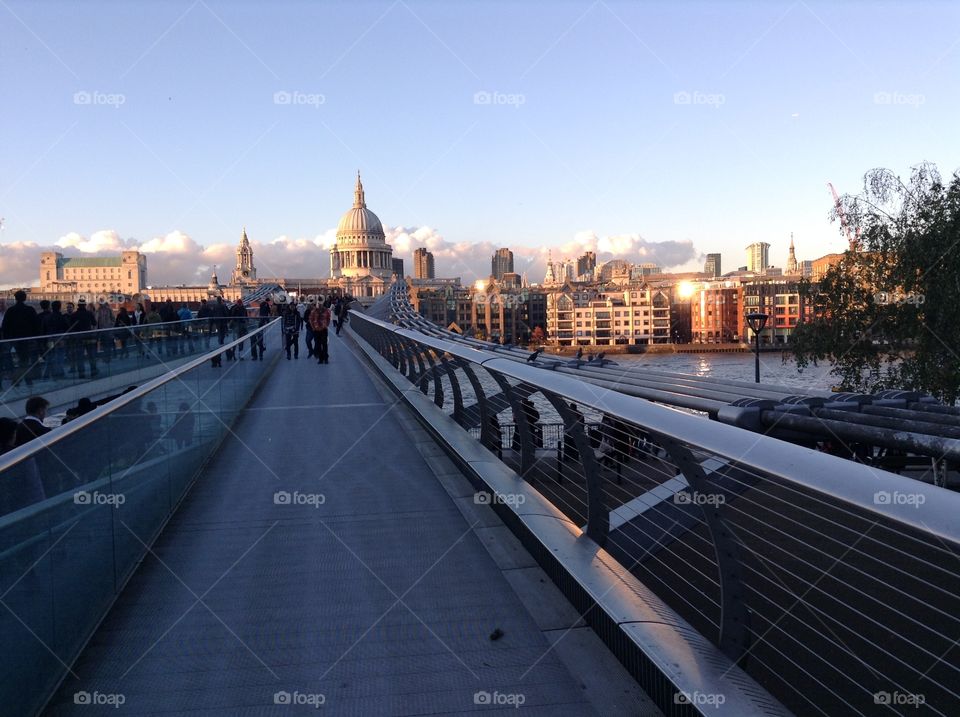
647 131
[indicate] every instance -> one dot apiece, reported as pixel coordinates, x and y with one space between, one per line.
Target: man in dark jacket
20 322
53 327
168 315
29 484
290 323
205 312
218 320
83 346
238 312
257 346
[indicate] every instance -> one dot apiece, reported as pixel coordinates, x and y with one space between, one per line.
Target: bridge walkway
378 598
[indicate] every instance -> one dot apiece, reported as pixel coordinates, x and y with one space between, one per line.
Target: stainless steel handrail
853 483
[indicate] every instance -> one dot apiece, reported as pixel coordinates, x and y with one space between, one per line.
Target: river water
729 366
736 367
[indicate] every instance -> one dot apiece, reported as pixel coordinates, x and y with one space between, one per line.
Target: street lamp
757 320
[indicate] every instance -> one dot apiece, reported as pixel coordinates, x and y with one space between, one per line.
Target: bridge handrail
28 450
853 483
112 330
782 525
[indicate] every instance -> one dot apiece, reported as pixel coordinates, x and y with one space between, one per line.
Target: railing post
486 430
521 425
598 516
734 638
451 369
437 383
421 376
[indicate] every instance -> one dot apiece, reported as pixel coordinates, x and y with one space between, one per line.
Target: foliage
888 314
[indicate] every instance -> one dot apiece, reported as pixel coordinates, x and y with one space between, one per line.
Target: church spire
358 199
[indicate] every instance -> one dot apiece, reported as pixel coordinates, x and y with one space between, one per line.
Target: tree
888 314
537 336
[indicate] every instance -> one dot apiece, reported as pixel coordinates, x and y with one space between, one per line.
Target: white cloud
105 240
176 258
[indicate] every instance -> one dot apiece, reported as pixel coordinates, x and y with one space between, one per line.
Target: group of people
74 337
313 316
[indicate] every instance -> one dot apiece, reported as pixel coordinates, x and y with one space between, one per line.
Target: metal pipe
934 429
908 415
923 444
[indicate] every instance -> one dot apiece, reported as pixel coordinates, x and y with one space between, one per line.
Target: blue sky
587 133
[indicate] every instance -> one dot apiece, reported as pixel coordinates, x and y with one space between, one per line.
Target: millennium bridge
433 524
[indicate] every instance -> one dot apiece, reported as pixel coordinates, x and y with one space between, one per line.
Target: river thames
736 367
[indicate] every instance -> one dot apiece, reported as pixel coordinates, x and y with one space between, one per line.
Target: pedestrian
122 323
257 346
238 314
84 343
54 327
184 316
20 322
219 313
343 308
308 338
168 315
31 426
290 323
319 323
29 488
151 334
105 320
205 312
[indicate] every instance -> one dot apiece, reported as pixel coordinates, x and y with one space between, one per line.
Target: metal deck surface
379 600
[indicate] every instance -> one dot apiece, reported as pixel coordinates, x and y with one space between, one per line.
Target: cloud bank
177 258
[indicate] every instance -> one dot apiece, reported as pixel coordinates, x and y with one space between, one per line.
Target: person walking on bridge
84 345
342 308
308 334
105 320
290 323
319 323
257 345
20 322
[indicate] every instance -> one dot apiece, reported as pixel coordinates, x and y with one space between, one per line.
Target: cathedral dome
358 219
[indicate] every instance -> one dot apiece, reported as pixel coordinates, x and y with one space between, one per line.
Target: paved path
381 600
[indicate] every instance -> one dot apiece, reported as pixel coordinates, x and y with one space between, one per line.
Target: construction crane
853 237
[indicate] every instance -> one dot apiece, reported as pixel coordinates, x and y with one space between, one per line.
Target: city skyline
701 129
